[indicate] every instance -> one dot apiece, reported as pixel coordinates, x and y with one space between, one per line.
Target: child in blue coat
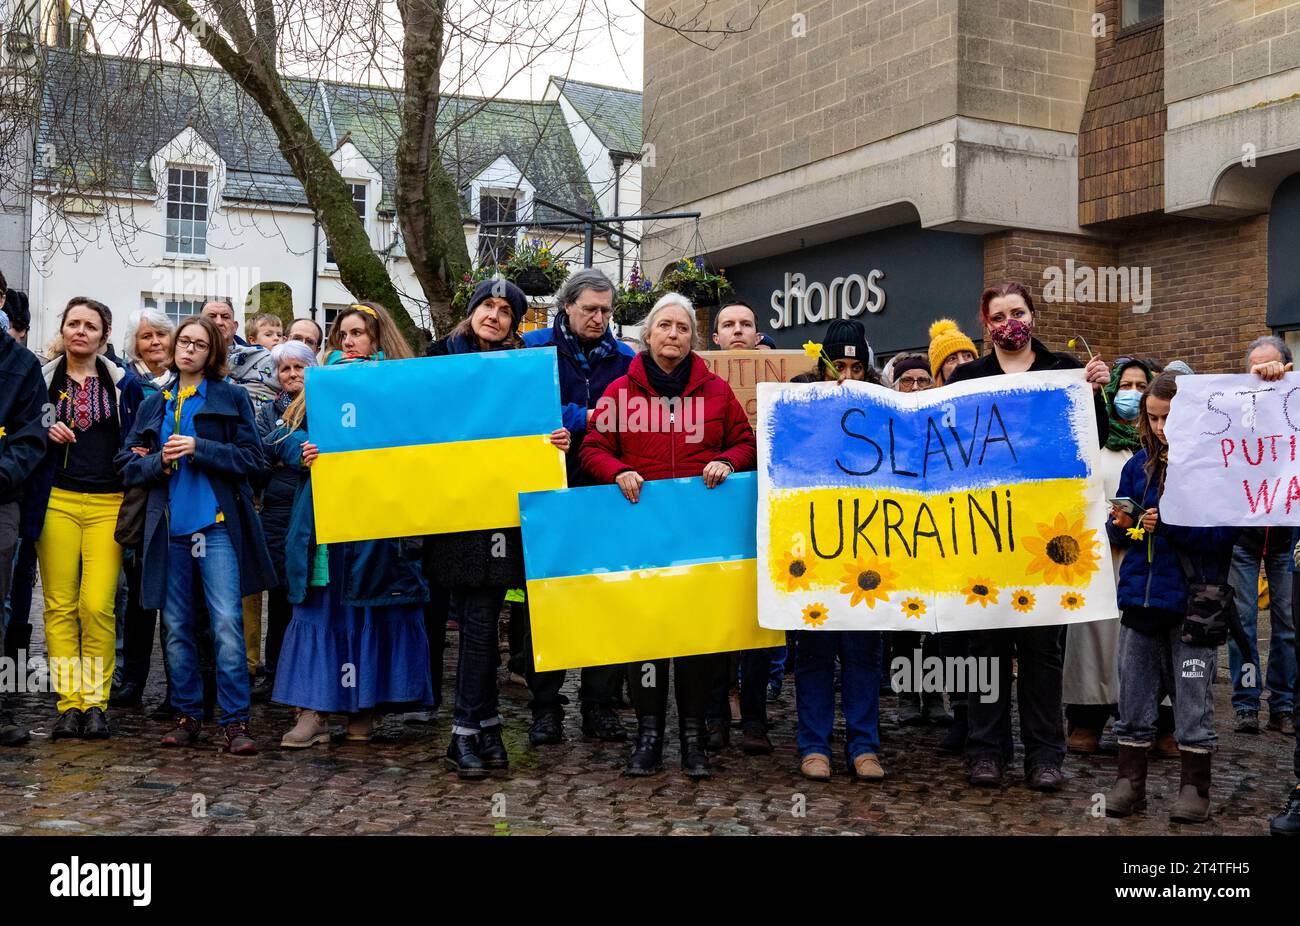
1153 659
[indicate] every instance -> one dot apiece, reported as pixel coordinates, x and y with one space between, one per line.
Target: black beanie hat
502 289
847 339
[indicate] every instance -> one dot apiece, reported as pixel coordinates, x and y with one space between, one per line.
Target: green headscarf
1123 435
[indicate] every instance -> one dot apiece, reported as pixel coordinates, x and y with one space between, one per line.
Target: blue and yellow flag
434 445
673 575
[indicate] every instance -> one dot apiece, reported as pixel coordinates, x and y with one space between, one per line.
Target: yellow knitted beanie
945 340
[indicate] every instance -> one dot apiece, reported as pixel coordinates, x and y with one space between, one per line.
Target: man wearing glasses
590 358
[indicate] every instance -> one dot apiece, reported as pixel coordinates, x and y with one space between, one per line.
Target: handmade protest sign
745 369
672 575
431 446
972 507
1233 452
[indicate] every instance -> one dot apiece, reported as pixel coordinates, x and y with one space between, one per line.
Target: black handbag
1211 611
129 532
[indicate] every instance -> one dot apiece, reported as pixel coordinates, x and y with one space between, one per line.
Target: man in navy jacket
589 358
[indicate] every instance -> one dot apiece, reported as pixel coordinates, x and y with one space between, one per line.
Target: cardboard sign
1233 443
745 369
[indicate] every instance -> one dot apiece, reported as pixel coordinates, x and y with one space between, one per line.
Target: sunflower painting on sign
979 505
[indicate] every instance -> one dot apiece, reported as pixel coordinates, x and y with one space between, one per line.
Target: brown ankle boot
312 727
1129 793
1193 804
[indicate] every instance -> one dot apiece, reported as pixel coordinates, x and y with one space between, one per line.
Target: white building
157 184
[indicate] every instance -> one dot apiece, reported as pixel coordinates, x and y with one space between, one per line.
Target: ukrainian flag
673 575
434 445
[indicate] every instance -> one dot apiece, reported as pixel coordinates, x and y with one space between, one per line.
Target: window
1134 12
496 245
177 307
329 313
359 203
187 211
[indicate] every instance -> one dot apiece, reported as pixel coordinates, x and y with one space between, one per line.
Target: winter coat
127 395
229 452
656 454
1160 583
581 388
1044 359
22 399
471 559
284 479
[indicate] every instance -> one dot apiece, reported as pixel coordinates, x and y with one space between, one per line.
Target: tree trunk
428 204
361 270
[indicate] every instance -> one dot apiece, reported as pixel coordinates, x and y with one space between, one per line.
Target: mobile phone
1130 506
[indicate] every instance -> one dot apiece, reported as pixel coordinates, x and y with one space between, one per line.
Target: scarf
668 385
280 405
602 349
1123 435
468 344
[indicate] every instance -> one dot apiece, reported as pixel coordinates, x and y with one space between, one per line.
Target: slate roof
613 113
105 117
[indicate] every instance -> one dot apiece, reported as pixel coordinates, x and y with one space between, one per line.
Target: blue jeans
1281 679
18 603
219 571
814 690
1152 666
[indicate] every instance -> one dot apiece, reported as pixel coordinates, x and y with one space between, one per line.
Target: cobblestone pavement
397 784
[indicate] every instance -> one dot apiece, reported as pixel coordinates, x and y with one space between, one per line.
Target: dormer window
496 245
187 212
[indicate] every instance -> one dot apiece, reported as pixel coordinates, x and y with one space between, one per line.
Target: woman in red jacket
669 417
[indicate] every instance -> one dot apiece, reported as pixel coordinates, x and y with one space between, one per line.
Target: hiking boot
312 727
547 729
1287 823
236 739
184 732
1281 722
1247 721
601 722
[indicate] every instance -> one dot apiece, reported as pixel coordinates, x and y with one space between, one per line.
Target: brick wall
1209 286
1121 136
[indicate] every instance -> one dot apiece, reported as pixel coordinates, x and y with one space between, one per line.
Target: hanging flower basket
534 282
691 278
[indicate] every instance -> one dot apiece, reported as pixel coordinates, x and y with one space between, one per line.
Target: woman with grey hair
148 348
710 437
292 360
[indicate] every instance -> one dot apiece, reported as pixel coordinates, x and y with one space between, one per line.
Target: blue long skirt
341 659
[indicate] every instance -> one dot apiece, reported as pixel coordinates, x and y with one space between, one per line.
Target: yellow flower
913 607
981 591
1072 601
1136 533
814 615
167 394
794 571
812 349
867 580
2 430
63 396
1022 599
1071 342
1064 553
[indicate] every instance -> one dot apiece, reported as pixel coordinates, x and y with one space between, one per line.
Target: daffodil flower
2 430
1136 533
812 349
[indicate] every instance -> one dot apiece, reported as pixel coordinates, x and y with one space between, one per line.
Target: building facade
156 184
1133 162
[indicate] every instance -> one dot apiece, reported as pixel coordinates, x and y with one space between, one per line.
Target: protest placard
976 506
672 575
745 369
1233 452
431 446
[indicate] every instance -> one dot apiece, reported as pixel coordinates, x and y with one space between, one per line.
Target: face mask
1126 404
1011 335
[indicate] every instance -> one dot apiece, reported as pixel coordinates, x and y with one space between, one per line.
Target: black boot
12 733
16 639
463 758
128 694
491 749
695 761
718 735
648 756
910 713
1287 823
601 722
954 741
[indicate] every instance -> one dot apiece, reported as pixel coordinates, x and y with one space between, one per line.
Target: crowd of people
171 488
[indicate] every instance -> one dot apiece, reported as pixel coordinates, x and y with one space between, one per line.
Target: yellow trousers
252 629
80 564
